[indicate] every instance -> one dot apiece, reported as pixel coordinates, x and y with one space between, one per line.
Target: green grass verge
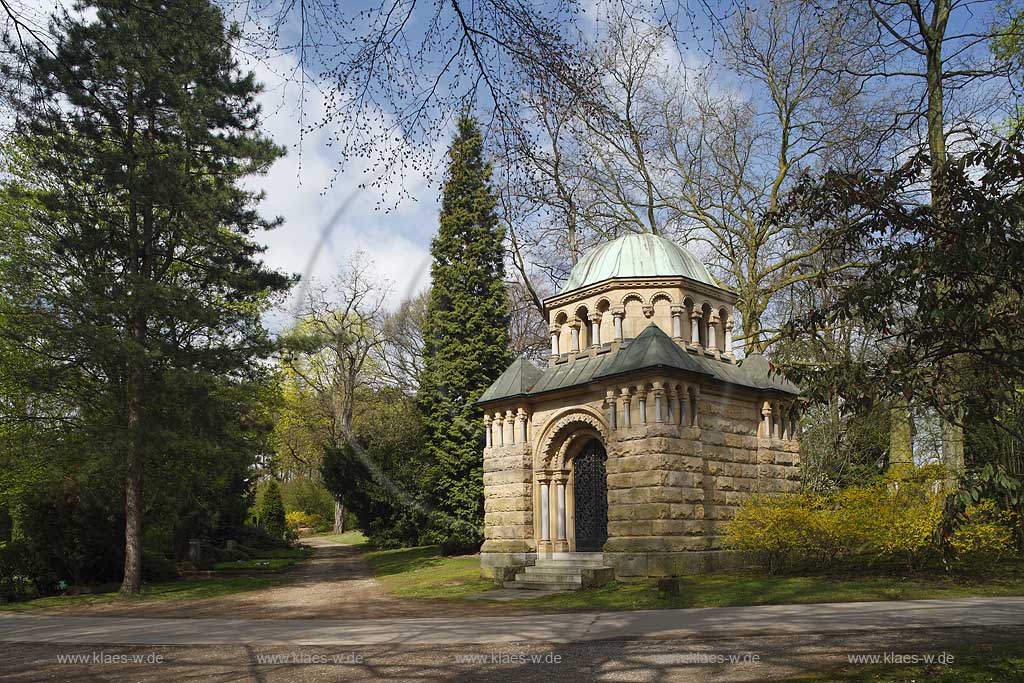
424 573
982 663
184 589
731 590
255 565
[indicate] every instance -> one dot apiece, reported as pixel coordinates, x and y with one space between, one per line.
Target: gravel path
336 583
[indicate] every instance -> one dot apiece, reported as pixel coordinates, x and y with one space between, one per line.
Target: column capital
714 318
617 312
677 310
575 323
766 409
596 317
696 314
554 328
488 419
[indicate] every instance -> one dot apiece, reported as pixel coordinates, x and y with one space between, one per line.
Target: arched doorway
590 497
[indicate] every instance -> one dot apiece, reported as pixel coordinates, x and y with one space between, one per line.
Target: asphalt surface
770 620
699 660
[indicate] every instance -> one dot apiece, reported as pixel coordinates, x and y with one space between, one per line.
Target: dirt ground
336 583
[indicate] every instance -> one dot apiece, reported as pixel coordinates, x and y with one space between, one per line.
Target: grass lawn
347 538
424 573
982 663
183 589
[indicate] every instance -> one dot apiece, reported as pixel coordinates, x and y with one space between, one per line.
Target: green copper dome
637 255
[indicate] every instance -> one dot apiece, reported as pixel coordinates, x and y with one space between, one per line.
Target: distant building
635 444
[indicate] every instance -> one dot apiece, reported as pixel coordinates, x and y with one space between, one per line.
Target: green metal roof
515 381
636 255
651 349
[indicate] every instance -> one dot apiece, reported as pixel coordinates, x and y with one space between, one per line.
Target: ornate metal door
591 497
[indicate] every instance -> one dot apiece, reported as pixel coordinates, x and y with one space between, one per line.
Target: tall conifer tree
136 130
466 339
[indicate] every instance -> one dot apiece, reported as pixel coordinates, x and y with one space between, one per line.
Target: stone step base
576 569
548 577
553 586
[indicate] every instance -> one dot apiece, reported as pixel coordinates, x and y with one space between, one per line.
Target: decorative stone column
659 402
487 431
522 420
545 512
677 322
553 330
779 416
595 329
695 317
670 400
617 315
574 328
684 413
510 425
627 419
560 515
641 397
499 426
728 339
609 404
766 411
713 321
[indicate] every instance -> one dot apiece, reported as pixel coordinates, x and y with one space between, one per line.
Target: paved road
820 619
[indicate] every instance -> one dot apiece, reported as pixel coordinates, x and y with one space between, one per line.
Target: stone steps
561 571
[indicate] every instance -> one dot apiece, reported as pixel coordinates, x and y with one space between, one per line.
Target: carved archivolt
632 296
661 296
563 431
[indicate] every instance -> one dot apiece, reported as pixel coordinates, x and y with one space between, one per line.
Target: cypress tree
466 340
271 512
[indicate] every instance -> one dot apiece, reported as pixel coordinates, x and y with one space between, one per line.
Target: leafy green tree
465 338
271 510
136 129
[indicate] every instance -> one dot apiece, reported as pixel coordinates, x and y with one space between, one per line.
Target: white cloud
309 197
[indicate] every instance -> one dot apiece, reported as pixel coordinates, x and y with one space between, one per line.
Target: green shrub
271 510
157 568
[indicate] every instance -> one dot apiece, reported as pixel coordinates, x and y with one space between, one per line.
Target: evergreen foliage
271 511
465 339
134 292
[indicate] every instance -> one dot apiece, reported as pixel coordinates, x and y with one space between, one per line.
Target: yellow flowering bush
894 518
298 518
986 536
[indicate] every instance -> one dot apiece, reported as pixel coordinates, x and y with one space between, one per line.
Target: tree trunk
339 517
132 581
901 436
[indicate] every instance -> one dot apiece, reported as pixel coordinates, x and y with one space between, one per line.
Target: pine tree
136 129
466 339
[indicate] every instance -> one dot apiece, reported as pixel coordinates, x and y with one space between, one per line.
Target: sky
305 189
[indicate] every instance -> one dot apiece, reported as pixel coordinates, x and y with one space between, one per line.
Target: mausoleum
632 448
